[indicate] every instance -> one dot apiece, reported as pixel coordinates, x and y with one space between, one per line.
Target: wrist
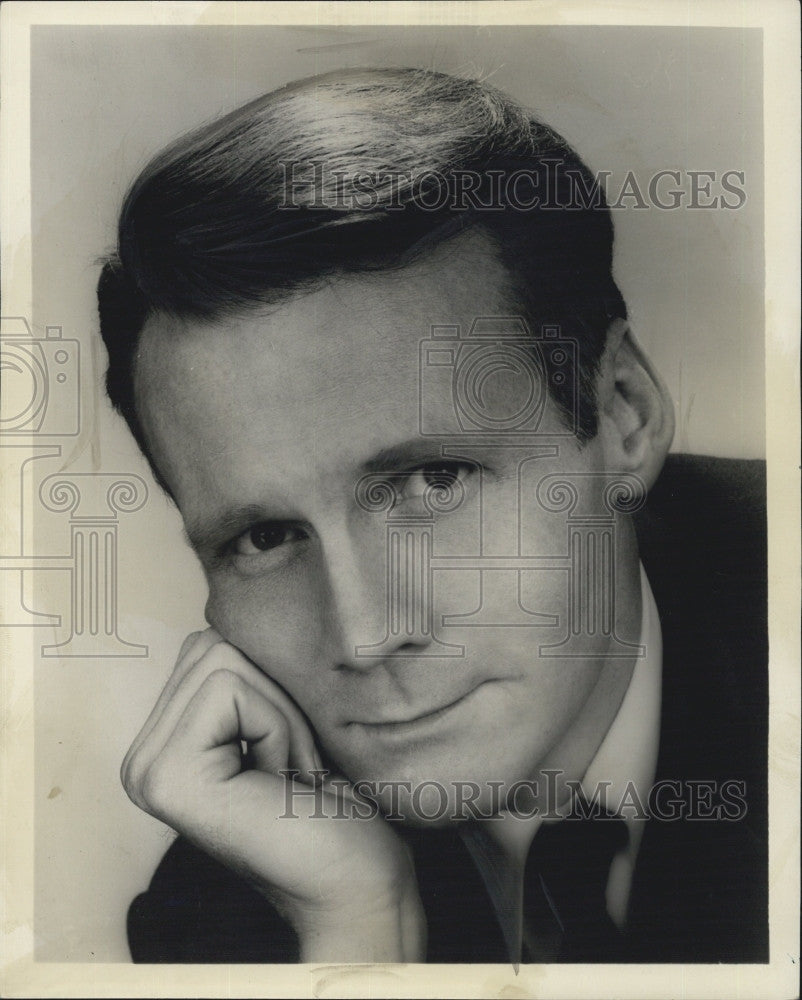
392 931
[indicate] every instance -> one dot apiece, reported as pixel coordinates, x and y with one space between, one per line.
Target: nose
377 590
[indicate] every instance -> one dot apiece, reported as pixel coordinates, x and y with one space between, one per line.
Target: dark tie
565 914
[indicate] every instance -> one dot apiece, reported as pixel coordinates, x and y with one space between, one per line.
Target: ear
636 414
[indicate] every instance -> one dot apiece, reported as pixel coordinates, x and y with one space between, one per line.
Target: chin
435 793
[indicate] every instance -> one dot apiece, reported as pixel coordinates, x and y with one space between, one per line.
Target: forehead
322 379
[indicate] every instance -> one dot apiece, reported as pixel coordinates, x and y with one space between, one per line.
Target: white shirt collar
625 761
627 757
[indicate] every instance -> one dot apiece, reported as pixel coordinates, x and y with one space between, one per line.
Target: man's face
264 426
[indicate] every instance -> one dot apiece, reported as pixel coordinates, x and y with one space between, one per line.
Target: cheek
271 624
562 686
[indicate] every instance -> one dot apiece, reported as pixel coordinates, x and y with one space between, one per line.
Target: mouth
418 724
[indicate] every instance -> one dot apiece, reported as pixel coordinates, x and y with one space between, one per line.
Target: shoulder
196 910
703 543
699 489
703 540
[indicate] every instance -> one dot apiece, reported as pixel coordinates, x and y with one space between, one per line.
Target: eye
265 536
443 474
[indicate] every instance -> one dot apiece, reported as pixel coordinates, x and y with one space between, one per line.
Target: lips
420 719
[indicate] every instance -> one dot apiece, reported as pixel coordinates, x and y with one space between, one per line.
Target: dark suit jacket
700 892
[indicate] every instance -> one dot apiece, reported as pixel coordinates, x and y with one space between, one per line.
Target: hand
347 886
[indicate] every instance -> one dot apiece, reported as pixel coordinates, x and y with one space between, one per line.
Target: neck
500 847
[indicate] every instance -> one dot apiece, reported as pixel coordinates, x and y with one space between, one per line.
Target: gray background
104 99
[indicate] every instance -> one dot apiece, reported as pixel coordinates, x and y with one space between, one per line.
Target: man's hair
358 171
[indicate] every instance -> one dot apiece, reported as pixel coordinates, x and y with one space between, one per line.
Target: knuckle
188 645
221 680
131 774
156 786
125 770
194 652
130 769
222 656
193 639
281 726
211 671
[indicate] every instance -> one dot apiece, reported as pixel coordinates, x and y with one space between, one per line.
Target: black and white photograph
400 556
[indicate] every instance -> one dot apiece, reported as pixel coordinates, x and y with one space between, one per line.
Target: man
366 332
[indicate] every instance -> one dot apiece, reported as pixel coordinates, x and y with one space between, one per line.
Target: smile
418 723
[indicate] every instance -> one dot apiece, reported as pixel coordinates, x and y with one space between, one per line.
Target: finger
222 656
202 754
196 644
227 709
227 657
339 785
303 752
194 647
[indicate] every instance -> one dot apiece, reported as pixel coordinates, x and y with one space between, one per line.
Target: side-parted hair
357 171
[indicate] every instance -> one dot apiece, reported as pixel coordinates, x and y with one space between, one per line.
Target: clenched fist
347 886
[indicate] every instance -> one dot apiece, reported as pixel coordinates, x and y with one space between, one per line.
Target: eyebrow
407 453
209 535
